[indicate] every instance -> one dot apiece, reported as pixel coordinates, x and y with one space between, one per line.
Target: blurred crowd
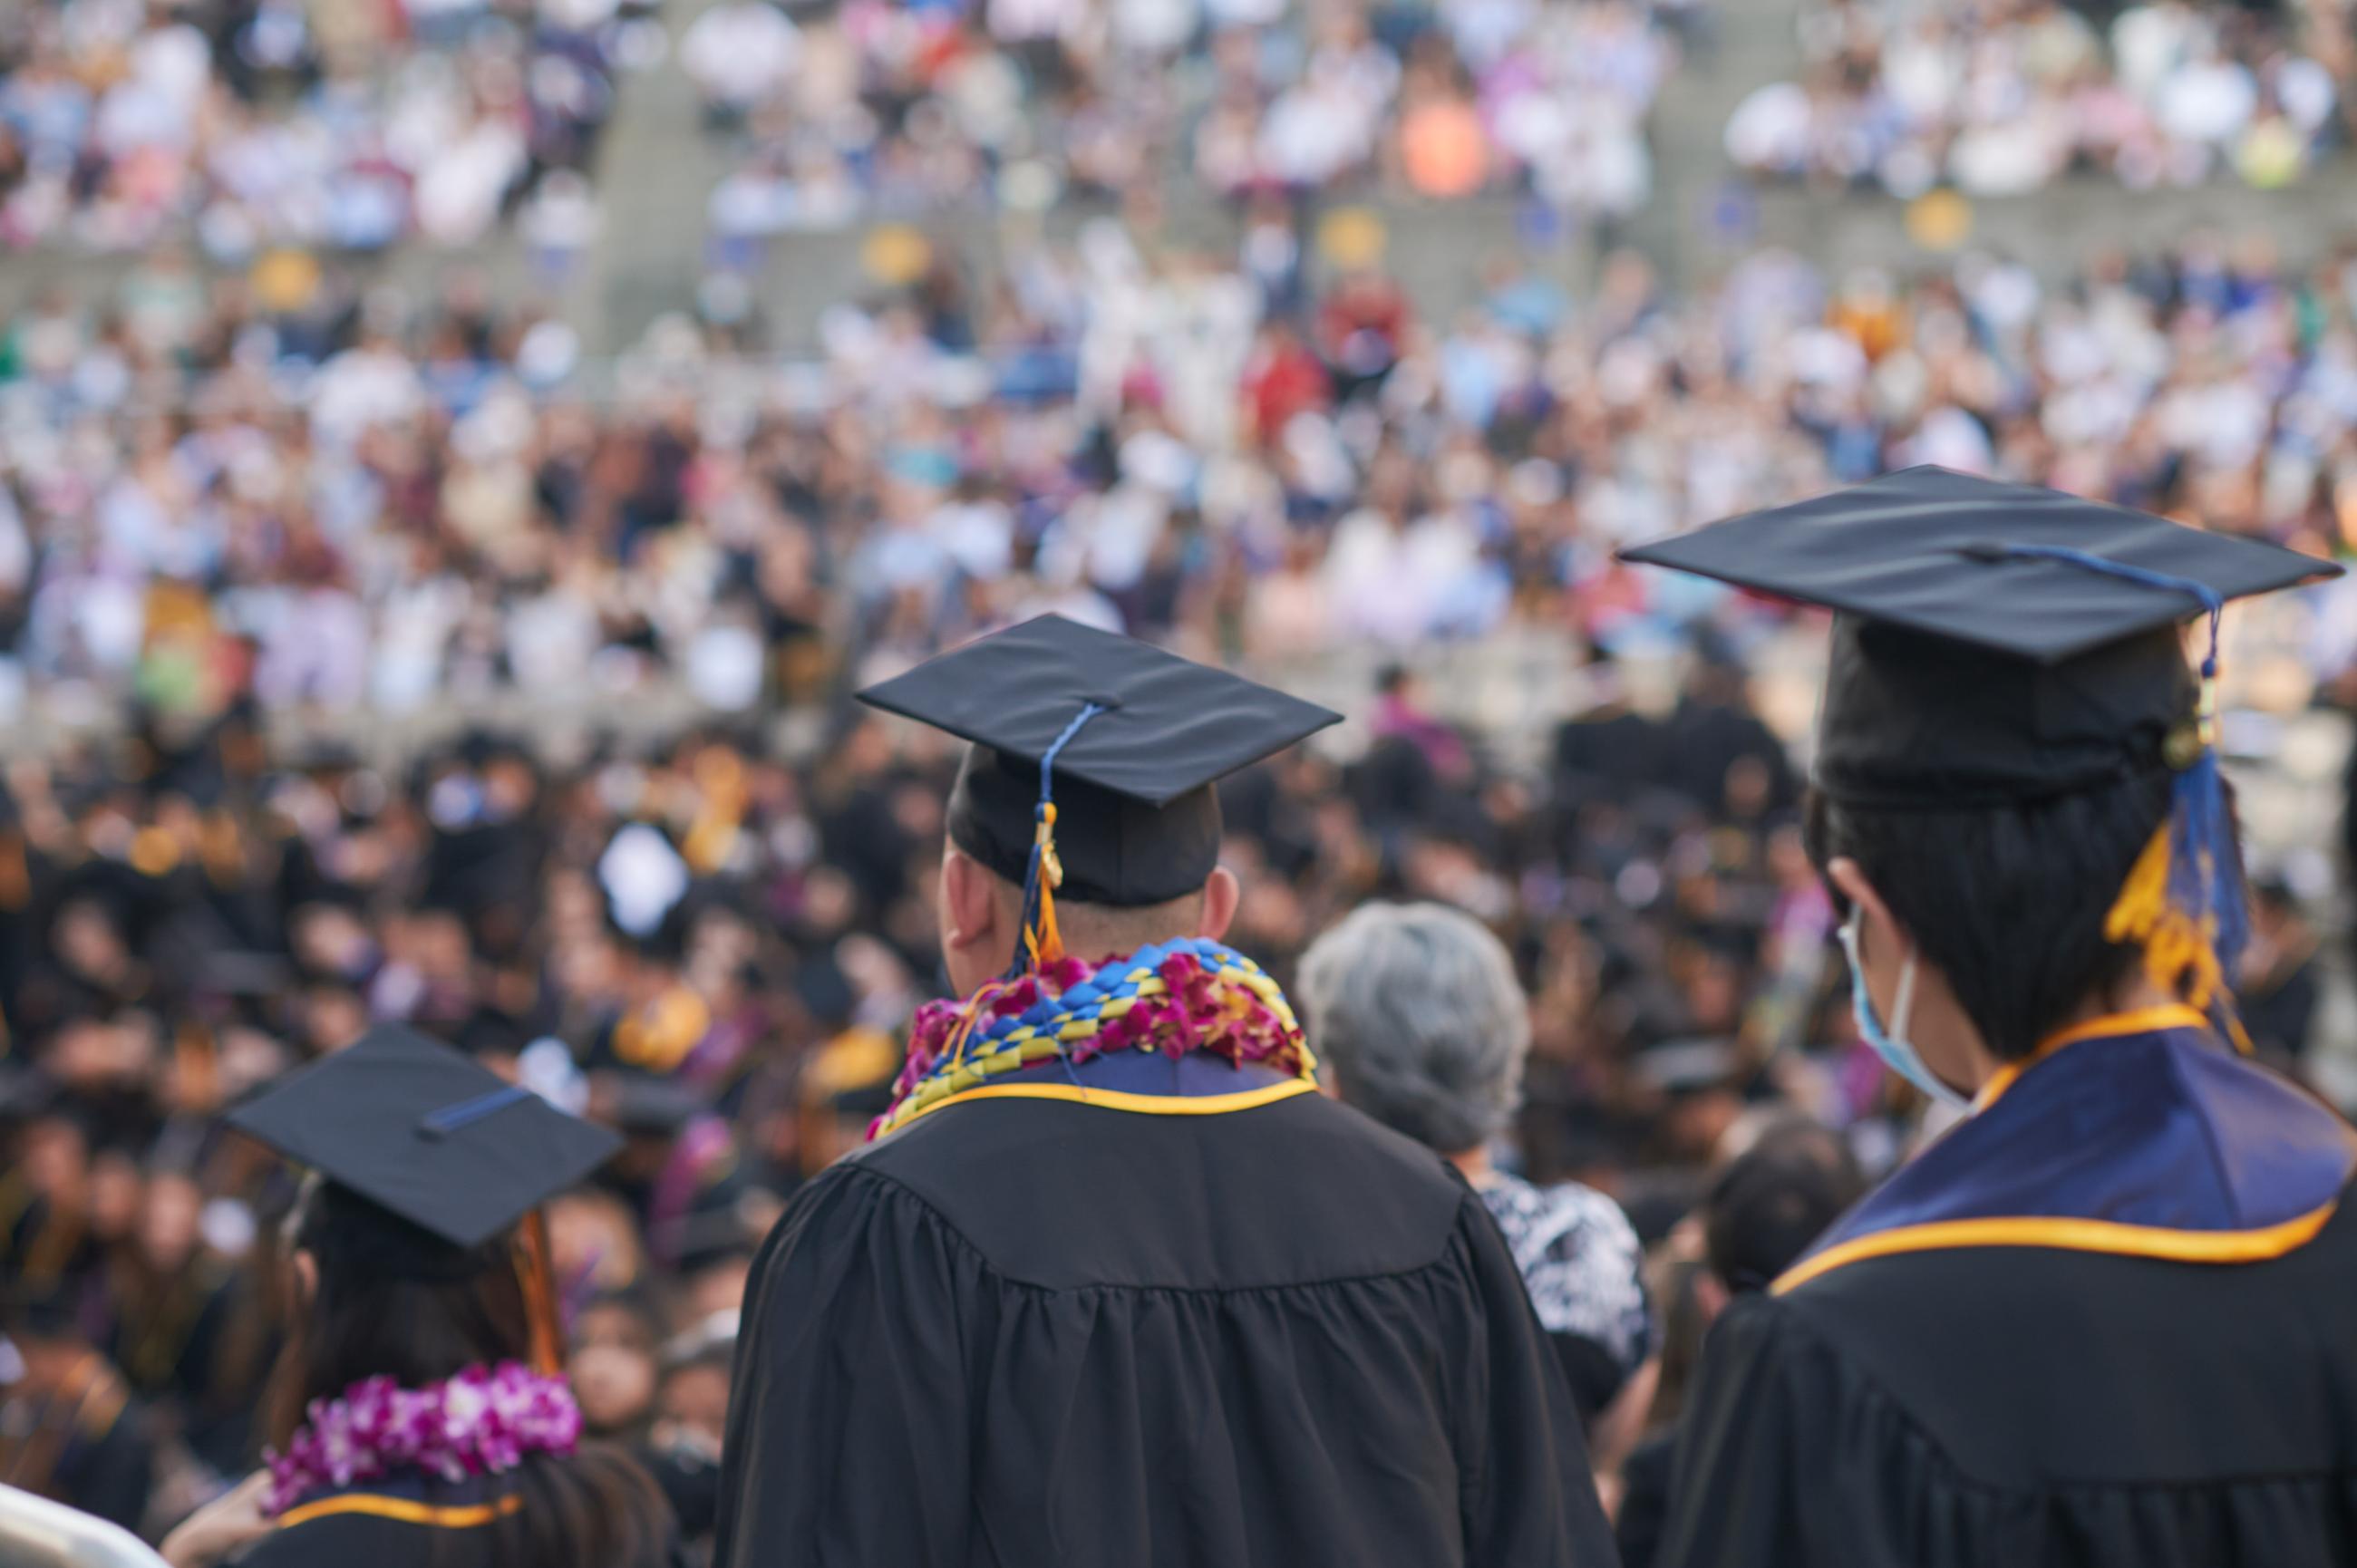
385 503
1998 97
244 124
242 524
714 946
836 112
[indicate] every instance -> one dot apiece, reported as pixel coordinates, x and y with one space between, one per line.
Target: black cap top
1927 550
1994 642
1137 822
417 1130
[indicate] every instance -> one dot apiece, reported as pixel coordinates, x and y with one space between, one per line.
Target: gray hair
1416 1009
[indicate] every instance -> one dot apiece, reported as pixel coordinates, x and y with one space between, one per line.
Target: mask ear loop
1902 1008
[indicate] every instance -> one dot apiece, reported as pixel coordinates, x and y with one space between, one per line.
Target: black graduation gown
1031 1331
1915 1397
86 1445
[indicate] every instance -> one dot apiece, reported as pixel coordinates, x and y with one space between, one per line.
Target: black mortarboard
431 1141
1993 642
1136 736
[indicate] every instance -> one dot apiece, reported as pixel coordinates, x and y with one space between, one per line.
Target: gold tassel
2180 955
1046 942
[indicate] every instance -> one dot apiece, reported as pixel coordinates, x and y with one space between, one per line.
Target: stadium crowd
866 107
368 502
223 515
1999 97
243 124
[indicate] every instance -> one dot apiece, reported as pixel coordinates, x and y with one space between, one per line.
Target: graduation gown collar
409 1497
1145 1082
2147 1139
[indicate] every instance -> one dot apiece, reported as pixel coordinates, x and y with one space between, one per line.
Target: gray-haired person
1415 1010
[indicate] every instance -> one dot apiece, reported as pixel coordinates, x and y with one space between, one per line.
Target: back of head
1417 1009
1774 1199
393 1300
2009 901
2009 718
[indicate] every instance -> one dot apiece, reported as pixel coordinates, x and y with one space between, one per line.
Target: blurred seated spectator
1418 1013
69 1429
2280 985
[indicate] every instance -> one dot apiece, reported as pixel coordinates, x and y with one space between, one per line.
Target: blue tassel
2204 872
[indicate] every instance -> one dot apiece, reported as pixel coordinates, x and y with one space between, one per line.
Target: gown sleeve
847 1438
1530 1499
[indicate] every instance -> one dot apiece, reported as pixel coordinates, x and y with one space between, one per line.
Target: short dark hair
1774 1199
2008 901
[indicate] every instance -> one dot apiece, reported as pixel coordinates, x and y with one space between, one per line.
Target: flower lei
482 1421
1173 997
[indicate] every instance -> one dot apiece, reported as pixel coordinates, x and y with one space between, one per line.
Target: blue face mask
1896 1051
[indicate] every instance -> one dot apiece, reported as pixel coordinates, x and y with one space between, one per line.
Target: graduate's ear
1711 1295
969 902
1221 893
307 1277
1877 924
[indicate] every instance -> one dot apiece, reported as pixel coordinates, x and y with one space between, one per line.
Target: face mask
1896 1051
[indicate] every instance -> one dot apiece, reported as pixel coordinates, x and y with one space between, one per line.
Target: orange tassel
1045 941
536 1268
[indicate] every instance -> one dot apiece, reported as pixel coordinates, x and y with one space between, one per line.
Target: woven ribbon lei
1172 997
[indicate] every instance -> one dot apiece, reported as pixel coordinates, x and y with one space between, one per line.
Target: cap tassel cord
2183 900
1042 942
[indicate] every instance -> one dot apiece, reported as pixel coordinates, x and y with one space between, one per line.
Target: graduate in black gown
1116 1284
2104 1321
420 1415
70 1428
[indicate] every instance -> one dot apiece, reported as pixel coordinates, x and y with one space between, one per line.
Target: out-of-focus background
458 456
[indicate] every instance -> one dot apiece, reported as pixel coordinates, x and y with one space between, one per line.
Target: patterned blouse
1582 1263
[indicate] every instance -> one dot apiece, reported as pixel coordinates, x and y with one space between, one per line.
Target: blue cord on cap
1038 940
465 1112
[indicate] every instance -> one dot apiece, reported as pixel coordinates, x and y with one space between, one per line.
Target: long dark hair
364 1320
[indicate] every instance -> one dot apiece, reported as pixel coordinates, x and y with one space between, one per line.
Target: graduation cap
1092 761
426 1156
1999 644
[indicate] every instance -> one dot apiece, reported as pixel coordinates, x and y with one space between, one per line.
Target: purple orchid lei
480 1423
